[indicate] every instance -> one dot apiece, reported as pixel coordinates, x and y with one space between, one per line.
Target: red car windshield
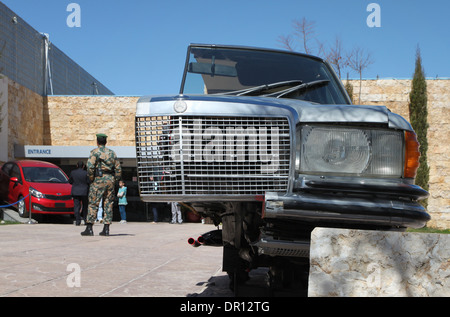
44 175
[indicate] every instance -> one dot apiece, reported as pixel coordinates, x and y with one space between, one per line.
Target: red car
47 183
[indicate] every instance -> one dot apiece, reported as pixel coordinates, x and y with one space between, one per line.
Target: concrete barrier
378 263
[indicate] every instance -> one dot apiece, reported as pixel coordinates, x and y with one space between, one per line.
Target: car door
15 188
4 181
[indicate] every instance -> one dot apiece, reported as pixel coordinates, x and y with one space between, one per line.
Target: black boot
88 231
105 231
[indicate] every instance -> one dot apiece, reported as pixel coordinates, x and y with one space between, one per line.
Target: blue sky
138 47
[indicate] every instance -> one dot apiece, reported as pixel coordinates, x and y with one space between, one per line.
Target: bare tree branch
337 57
286 42
304 30
359 60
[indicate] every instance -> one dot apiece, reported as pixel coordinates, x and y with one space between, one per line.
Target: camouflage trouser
102 187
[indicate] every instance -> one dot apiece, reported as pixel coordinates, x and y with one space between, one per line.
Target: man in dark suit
80 188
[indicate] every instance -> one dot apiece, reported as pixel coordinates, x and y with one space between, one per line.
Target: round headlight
335 150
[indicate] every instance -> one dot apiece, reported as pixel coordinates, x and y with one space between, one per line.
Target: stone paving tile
137 259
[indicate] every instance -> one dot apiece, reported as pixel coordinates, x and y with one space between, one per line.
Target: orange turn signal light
412 155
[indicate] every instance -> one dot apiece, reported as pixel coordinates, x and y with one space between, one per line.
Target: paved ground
137 259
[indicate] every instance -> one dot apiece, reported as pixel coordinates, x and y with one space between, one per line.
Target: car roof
251 48
35 163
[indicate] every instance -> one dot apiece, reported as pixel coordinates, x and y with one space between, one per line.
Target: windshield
253 72
44 175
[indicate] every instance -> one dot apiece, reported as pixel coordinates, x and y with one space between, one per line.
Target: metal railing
23 199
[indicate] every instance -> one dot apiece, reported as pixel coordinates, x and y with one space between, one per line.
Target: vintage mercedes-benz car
268 144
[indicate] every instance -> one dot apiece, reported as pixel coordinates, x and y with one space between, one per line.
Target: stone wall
25 117
394 94
75 120
4 83
346 263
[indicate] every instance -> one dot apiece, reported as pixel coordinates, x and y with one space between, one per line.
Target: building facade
57 120
32 70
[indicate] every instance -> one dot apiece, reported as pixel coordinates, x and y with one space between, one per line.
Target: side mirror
14 179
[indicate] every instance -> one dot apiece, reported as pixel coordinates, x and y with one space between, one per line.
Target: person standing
103 169
157 178
122 194
80 187
155 213
100 212
176 213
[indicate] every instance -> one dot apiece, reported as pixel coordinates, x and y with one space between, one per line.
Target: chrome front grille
212 156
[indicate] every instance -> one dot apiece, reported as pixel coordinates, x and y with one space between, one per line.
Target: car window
7 168
15 172
44 175
250 72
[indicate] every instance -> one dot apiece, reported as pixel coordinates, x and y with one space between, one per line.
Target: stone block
362 263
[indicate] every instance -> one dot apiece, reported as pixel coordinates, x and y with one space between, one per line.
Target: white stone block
378 263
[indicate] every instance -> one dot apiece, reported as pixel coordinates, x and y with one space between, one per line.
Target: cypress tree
418 115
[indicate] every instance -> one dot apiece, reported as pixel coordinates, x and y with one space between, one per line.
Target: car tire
22 208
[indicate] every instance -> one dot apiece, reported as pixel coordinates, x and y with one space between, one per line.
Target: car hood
313 112
53 188
302 111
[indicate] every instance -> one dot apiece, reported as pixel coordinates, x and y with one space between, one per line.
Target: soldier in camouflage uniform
103 169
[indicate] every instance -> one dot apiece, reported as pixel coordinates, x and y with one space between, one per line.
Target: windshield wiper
261 88
304 86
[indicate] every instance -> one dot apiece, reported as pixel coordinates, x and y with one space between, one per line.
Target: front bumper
50 207
332 204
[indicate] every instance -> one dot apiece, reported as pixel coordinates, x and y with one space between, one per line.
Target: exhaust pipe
194 242
211 238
